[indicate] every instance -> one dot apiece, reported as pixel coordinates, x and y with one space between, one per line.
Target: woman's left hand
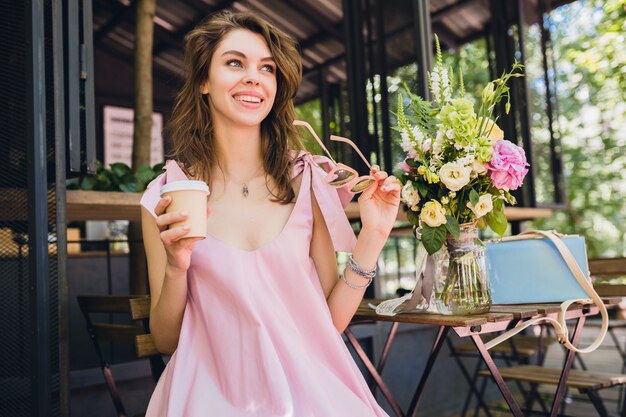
378 205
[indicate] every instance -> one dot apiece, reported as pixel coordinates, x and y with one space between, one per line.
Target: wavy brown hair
191 128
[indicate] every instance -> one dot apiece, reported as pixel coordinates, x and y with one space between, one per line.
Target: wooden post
142 132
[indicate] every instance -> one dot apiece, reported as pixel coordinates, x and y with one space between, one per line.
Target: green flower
459 115
484 150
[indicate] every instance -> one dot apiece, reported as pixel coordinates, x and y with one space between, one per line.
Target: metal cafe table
499 318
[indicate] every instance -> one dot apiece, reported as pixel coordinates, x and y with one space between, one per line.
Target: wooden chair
144 345
586 382
608 268
517 350
137 332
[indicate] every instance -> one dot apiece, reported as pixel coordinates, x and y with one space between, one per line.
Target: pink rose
507 167
404 166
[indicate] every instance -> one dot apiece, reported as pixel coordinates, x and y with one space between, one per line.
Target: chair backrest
607 267
138 309
144 345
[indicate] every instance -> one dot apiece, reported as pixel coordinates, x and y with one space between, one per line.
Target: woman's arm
379 207
168 256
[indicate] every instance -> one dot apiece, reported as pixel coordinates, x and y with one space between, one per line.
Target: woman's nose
251 77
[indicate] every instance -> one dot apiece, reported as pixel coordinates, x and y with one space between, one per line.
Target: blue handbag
543 266
530 270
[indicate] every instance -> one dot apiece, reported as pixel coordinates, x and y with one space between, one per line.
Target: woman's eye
268 68
233 63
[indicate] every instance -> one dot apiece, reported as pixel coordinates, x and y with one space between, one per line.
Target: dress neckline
275 238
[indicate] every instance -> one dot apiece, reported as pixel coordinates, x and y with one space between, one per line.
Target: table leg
385 352
442 333
495 373
569 359
374 372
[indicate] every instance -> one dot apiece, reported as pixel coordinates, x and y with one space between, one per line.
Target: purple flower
507 167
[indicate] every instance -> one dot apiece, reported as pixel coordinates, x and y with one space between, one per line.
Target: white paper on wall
118 136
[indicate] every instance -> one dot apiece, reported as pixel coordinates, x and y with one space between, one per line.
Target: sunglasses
342 175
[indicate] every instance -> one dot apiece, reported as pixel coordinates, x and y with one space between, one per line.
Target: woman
253 314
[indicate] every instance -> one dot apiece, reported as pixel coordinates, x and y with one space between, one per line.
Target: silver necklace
245 191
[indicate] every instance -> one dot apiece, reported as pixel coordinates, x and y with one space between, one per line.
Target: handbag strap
559 324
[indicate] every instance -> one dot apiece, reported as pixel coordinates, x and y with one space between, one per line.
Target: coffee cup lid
185 185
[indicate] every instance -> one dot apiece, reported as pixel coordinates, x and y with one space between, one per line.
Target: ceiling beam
126 55
330 28
438 15
175 39
121 13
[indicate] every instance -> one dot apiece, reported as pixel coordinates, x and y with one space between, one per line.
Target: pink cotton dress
257 337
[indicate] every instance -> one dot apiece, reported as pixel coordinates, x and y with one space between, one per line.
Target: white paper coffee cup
190 196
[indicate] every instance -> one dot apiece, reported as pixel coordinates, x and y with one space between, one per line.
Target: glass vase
461 284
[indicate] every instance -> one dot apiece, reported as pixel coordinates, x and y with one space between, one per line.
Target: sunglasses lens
342 177
362 185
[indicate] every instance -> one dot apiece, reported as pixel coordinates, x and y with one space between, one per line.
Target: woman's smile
249 99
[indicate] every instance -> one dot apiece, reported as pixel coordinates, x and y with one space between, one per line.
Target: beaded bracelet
366 273
356 287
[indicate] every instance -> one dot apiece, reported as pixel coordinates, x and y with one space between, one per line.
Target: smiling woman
252 310
241 85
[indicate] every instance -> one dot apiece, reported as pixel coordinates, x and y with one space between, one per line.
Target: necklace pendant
244 191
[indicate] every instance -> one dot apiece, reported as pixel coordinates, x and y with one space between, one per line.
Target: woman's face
242 80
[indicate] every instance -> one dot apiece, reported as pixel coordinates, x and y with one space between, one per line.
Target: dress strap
171 172
332 201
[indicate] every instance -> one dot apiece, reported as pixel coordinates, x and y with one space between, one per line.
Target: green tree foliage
311 112
588 38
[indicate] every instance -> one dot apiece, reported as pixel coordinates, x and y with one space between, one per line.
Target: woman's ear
204 88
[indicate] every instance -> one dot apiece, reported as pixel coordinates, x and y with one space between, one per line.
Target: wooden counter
107 205
102 205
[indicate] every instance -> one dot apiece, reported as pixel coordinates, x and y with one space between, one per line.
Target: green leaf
412 216
453 226
481 223
129 188
144 174
497 221
413 163
473 196
433 238
88 183
120 169
423 189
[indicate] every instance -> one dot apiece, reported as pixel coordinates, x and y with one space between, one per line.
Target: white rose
433 214
454 175
410 195
479 167
484 205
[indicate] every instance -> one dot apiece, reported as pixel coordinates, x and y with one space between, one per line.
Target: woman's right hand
177 247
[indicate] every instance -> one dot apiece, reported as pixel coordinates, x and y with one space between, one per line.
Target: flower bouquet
457 175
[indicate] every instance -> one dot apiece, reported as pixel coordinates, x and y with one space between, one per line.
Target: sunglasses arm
353 145
308 126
